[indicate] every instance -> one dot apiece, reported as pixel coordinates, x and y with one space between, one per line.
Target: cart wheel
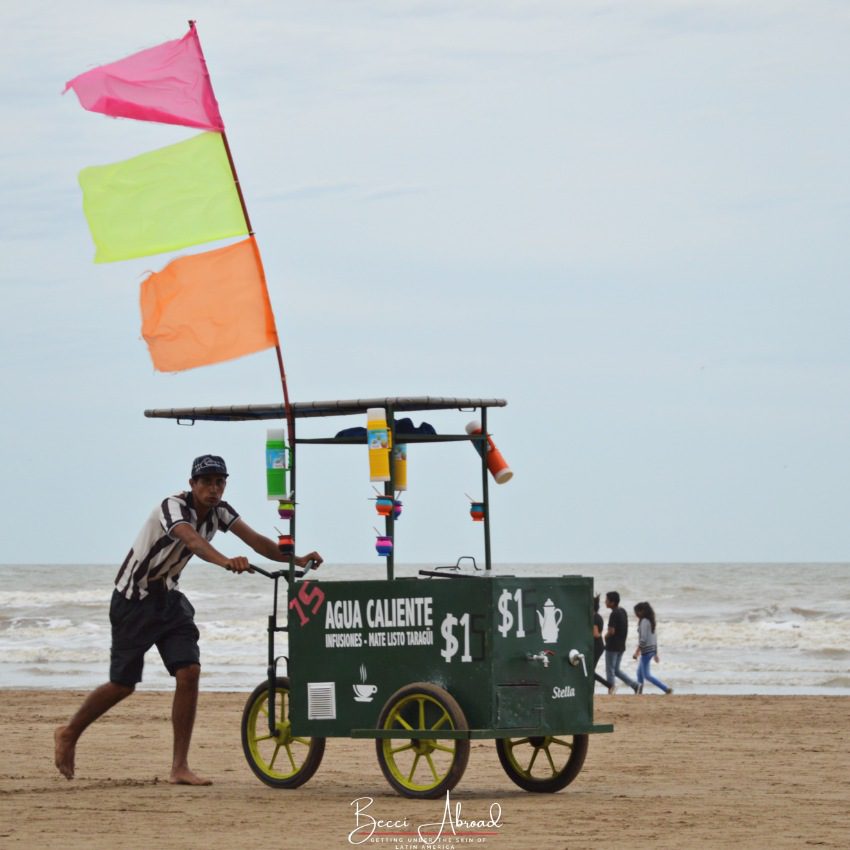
422 767
282 760
542 763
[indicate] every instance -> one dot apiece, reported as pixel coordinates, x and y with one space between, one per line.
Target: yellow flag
164 200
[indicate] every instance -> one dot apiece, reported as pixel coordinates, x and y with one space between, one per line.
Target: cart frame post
389 490
485 485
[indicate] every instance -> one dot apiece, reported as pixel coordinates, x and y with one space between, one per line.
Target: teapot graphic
550 618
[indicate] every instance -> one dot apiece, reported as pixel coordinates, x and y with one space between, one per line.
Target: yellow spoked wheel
282 760
422 767
543 763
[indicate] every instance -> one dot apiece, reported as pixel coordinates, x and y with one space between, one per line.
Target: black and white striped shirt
156 555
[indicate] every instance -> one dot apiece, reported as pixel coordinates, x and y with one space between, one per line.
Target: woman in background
647 648
599 645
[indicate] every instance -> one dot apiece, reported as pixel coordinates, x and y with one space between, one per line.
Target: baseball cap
208 465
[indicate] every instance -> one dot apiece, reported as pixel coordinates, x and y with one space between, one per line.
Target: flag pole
287 407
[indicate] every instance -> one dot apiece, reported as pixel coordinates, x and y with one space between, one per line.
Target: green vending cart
423 664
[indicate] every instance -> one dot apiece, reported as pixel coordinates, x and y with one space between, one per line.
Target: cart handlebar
311 565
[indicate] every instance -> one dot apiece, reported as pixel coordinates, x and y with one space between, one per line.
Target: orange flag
206 308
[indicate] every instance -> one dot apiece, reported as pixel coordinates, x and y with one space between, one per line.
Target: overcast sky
629 219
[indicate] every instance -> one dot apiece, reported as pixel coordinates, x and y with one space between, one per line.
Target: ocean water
722 628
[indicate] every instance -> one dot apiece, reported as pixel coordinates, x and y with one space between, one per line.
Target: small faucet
544 655
577 658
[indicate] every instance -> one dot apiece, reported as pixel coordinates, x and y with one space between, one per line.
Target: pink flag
168 83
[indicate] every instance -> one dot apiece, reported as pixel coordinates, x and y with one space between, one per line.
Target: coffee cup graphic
364 693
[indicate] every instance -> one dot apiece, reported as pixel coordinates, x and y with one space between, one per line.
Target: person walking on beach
598 642
615 642
147 609
647 648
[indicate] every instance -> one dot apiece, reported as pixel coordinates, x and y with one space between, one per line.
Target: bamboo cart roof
305 409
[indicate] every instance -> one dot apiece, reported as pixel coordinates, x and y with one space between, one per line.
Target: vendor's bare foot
187 777
64 749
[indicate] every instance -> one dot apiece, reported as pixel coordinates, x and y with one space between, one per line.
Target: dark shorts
165 619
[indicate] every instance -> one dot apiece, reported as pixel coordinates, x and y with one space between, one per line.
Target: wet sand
678 771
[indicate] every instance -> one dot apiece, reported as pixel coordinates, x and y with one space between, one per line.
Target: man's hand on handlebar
312 560
237 565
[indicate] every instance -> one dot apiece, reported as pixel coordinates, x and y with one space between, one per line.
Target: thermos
378 440
400 466
276 465
499 469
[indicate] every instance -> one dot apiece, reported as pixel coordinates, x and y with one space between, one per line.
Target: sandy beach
678 771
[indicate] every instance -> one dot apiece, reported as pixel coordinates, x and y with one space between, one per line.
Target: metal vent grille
321 700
